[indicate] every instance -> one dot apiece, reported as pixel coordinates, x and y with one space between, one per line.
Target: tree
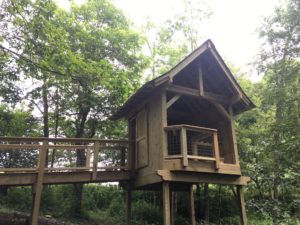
269 135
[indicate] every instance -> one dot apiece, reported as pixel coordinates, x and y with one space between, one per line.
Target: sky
232 26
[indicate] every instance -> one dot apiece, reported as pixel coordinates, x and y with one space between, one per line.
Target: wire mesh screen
200 143
174 142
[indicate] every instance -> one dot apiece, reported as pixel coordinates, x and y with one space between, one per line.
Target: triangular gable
240 102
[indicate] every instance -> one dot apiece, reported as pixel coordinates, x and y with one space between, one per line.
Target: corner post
166 203
38 186
241 203
128 205
192 206
183 146
95 162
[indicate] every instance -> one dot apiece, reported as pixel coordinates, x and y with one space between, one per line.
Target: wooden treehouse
183 128
180 133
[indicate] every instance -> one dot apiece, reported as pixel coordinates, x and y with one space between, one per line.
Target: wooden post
241 203
216 149
38 186
192 206
206 203
183 144
88 157
95 162
166 203
128 206
123 154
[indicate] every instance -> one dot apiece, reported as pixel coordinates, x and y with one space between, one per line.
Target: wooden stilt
192 206
38 186
166 203
172 205
128 207
241 203
206 203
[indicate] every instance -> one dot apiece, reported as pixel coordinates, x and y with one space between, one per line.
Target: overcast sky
232 27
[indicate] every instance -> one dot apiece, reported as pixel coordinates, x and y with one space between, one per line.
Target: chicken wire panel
174 142
67 158
112 156
200 143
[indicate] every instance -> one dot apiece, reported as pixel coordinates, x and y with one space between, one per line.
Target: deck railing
192 142
62 154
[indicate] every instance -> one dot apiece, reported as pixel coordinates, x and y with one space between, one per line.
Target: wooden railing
192 142
23 154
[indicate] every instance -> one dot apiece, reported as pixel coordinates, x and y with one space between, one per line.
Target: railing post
95 162
123 153
88 157
183 143
216 150
38 186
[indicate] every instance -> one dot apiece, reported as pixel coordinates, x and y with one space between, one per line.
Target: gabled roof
207 48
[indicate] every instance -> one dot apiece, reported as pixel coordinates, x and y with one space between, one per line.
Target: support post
216 150
241 203
38 186
166 203
206 203
192 206
128 206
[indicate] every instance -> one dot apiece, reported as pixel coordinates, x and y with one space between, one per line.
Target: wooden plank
95 161
166 203
19 146
65 177
82 140
201 158
173 100
183 146
216 150
241 203
38 186
192 206
212 178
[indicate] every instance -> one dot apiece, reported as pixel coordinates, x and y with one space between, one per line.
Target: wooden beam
192 206
233 136
173 100
209 96
200 76
38 186
166 203
241 203
221 109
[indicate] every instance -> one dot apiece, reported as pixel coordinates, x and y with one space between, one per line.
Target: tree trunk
206 205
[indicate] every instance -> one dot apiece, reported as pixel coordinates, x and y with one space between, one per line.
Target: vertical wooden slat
183 143
88 157
95 162
128 206
192 206
216 150
38 186
241 203
166 203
